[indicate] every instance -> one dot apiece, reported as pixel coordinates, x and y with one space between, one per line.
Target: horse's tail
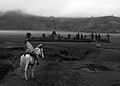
21 62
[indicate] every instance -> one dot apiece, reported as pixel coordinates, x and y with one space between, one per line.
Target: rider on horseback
30 50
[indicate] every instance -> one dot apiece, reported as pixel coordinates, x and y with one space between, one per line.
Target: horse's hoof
33 77
26 79
23 78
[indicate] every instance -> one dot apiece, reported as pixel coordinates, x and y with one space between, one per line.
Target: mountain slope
20 21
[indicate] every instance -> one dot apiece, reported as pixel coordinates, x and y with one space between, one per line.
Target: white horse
27 60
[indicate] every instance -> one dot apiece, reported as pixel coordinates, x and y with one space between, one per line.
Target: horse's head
39 50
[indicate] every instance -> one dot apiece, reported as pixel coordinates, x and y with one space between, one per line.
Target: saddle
34 57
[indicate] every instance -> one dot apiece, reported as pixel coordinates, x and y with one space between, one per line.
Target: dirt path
63 74
13 78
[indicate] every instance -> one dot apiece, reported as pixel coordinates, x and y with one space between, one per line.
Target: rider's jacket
29 47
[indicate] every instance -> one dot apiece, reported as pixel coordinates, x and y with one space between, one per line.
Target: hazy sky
69 8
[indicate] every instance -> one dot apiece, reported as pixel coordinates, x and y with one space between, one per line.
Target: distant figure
92 36
54 35
69 36
43 35
108 37
99 36
96 37
85 37
77 36
81 35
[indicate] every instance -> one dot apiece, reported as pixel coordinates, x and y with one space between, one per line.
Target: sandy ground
74 73
63 74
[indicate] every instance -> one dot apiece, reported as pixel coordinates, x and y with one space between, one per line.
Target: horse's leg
33 69
21 66
21 73
33 72
42 53
26 66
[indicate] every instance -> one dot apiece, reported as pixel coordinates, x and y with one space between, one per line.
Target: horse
27 60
